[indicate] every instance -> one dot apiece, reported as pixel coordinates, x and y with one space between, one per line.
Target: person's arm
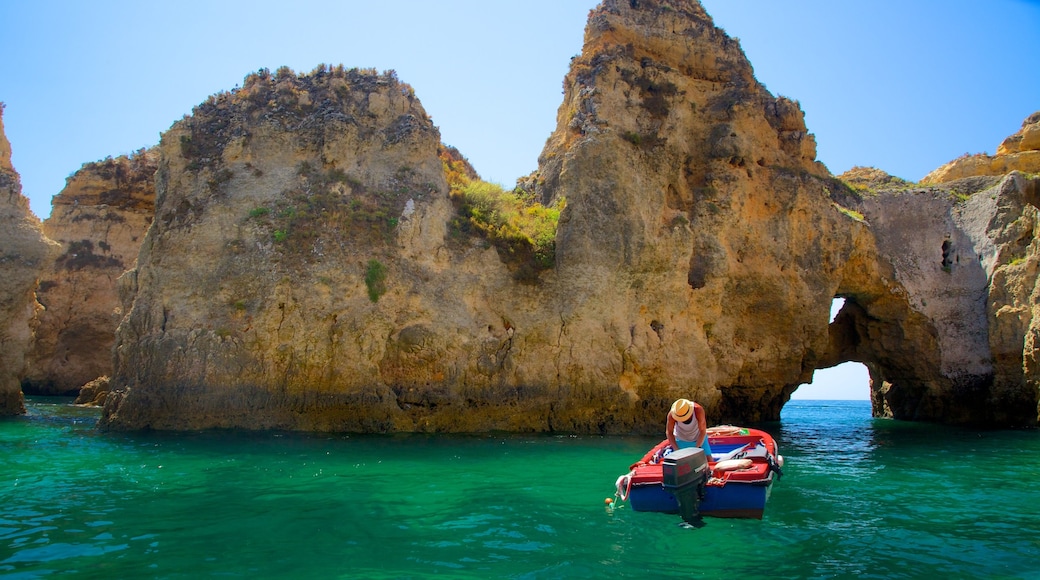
702 423
669 431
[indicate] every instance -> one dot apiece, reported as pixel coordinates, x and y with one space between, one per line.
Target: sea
860 498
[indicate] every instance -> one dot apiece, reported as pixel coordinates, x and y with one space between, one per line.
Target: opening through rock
846 381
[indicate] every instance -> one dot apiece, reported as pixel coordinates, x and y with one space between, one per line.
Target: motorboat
733 482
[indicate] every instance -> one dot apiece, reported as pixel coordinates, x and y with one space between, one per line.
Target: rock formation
701 241
250 306
100 219
23 253
1019 152
961 253
94 392
308 269
963 243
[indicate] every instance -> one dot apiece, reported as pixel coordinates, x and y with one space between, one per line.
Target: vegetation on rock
375 279
522 229
329 202
301 102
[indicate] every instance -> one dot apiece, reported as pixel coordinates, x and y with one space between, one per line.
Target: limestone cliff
250 303
701 222
964 251
276 200
954 360
100 219
306 268
23 253
1019 152
1010 256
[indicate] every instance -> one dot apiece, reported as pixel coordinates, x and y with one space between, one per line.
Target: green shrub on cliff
523 230
375 279
850 213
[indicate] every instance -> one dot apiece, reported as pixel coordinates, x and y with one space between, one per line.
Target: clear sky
903 85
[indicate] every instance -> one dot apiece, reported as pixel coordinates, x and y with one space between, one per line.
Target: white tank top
688 431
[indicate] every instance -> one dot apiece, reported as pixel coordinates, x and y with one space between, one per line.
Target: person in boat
687 426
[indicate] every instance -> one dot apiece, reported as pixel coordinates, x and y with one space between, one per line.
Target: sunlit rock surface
99 219
24 252
1019 152
303 270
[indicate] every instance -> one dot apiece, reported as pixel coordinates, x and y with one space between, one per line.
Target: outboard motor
685 472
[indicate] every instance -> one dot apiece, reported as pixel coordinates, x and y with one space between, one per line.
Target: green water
861 498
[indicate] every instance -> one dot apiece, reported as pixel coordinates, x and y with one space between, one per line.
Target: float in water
734 482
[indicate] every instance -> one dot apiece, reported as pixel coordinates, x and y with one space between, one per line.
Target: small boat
733 483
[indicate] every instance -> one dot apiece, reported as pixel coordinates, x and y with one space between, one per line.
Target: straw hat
682 410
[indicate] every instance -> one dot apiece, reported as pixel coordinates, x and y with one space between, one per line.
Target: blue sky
901 85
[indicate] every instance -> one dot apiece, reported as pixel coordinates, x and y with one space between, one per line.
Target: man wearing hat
687 426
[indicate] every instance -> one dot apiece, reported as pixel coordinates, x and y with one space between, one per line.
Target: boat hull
732 501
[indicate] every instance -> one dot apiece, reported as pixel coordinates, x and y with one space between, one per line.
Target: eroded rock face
302 271
251 307
962 252
1008 214
100 219
250 303
24 252
94 392
701 238
1019 152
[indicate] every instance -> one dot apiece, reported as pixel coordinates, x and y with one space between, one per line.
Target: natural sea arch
847 381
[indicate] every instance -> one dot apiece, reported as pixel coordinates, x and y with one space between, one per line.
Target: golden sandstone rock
310 267
1026 139
307 268
23 253
100 219
251 306
1019 152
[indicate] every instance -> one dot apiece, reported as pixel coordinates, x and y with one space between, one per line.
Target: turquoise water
861 498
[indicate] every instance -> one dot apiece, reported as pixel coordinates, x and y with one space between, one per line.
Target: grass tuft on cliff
523 230
375 279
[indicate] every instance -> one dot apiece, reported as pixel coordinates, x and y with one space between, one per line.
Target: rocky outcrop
99 219
274 205
1019 152
94 393
701 239
276 200
956 360
23 253
309 267
964 250
1008 214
